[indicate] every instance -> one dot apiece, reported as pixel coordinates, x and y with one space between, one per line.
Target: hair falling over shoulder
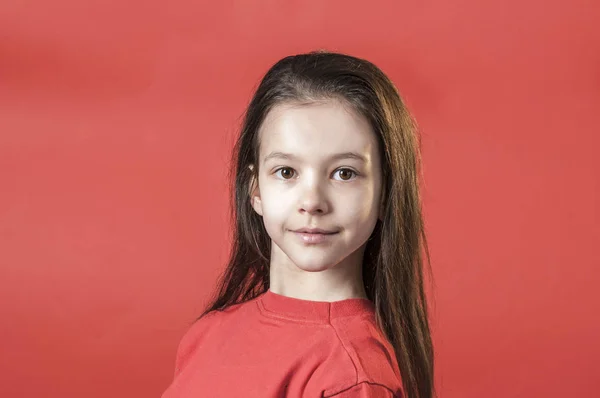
393 267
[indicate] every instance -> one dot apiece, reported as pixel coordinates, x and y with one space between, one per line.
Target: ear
254 193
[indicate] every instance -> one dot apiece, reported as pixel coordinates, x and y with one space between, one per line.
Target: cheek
357 206
276 206
360 217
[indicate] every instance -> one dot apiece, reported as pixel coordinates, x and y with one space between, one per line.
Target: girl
323 295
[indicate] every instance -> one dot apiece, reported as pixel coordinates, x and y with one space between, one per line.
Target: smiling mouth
314 231
314 238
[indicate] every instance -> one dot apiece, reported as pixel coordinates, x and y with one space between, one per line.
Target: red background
116 120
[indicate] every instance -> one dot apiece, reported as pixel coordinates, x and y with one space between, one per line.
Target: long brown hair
393 260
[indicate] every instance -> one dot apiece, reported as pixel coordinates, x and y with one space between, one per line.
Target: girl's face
319 168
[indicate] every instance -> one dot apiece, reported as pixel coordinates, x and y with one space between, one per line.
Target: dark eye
346 174
286 172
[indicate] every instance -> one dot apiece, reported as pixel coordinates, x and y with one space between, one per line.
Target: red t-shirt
276 346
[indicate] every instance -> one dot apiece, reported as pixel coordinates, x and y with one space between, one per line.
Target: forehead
315 131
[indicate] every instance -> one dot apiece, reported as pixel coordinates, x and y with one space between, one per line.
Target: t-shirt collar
281 306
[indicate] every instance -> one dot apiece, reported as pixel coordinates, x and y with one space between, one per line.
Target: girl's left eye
345 174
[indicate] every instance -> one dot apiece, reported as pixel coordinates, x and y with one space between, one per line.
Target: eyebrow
337 156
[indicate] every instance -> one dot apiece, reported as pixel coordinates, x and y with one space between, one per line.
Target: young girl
323 295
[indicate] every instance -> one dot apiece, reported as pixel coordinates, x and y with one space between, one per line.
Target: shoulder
374 370
191 339
201 330
367 390
212 321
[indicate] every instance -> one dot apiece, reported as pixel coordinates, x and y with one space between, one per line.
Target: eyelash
341 168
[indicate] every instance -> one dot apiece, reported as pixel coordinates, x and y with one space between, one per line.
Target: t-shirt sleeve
187 345
367 390
180 356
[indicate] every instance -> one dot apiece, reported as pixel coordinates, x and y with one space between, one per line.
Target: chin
313 267
317 263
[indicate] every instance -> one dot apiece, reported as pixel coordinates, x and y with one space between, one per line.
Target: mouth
314 237
315 231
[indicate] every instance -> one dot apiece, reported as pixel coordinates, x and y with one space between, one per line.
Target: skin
311 189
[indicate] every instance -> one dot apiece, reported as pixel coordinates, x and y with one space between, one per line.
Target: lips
315 231
316 236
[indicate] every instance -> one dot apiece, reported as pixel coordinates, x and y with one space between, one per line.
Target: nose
313 199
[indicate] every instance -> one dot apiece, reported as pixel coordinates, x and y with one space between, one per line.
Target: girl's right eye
289 172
